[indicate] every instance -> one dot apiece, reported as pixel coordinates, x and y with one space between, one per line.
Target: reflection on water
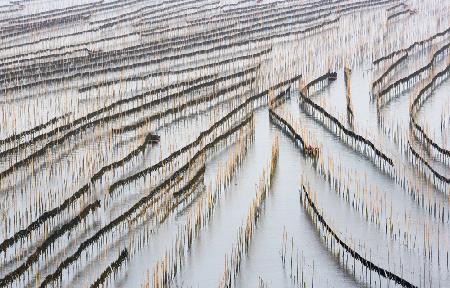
114 72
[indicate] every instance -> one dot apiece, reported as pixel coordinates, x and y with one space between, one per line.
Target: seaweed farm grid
240 143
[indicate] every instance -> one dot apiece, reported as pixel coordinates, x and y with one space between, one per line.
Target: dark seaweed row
123 217
436 174
281 97
147 51
412 46
379 81
249 101
53 12
107 119
181 107
318 80
52 213
401 4
419 99
430 141
33 130
24 233
20 29
367 263
407 11
189 69
347 132
33 258
102 110
159 45
191 182
111 269
55 211
416 74
277 119
149 139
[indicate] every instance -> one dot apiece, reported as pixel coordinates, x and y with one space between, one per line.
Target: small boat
153 138
332 76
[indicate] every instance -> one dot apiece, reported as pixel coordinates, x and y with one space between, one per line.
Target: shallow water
397 217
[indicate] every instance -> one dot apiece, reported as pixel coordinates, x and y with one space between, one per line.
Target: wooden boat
332 76
153 138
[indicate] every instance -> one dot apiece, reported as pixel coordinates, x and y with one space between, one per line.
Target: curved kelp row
110 107
399 13
149 139
170 72
246 104
424 166
357 141
101 121
442 153
179 109
139 204
88 73
426 91
412 46
33 130
320 81
278 120
123 256
324 228
280 98
408 81
379 82
51 239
